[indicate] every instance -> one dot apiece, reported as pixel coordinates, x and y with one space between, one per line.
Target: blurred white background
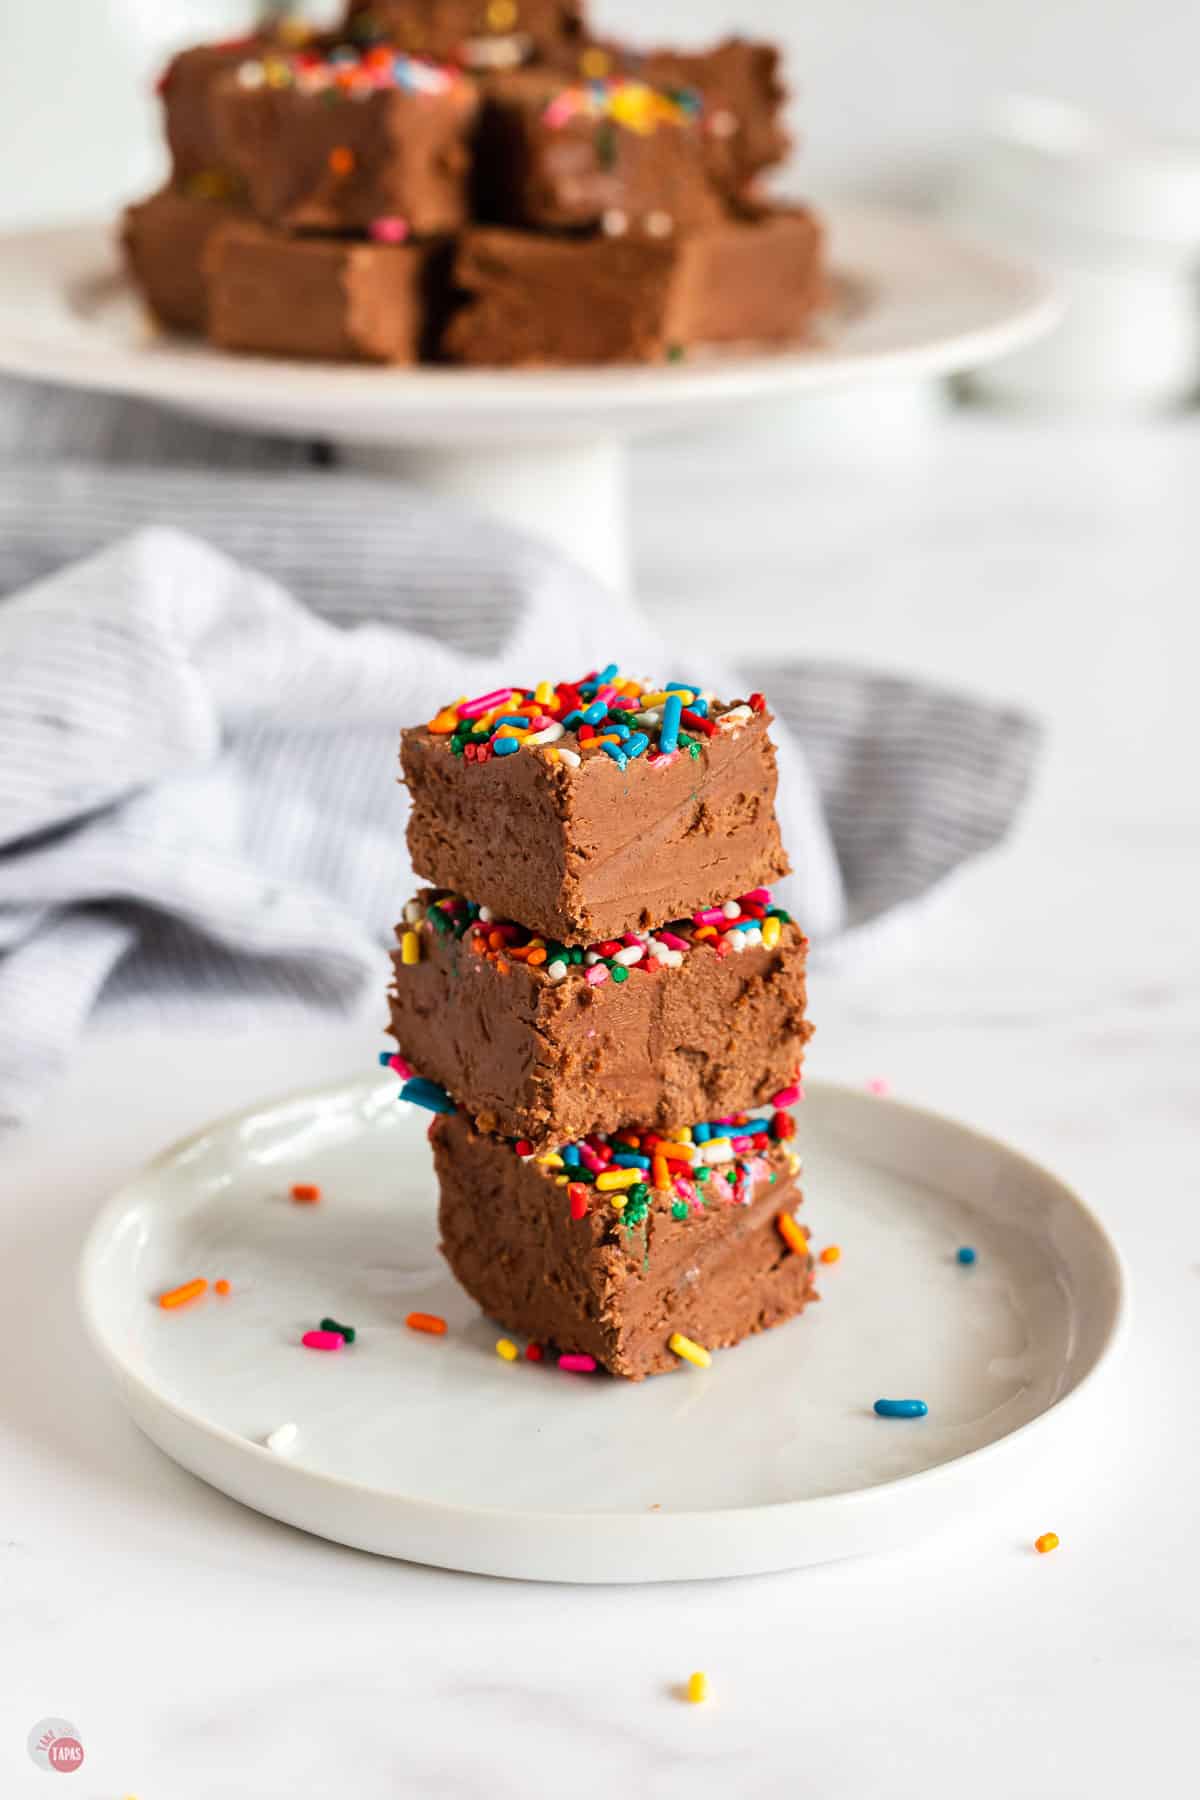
885 93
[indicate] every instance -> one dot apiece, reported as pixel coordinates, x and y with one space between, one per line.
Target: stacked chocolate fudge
607 1015
473 180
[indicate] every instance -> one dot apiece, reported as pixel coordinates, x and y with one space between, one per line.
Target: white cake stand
543 449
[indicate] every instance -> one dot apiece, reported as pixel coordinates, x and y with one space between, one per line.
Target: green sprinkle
634 1213
702 1173
347 1331
675 352
694 752
679 1209
638 1193
618 971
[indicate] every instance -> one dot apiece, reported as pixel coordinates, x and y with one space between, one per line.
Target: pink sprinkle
756 897
322 1340
475 709
401 1067
661 761
787 1096
879 1084
712 915
630 938
672 942
577 1365
606 695
389 231
743 1143
591 1161
558 111
542 723
596 974
685 1189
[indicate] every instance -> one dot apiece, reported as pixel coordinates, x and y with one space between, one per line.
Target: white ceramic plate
913 301
436 1450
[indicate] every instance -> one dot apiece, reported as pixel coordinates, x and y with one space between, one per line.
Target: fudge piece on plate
325 297
619 1245
542 1042
480 34
590 808
186 90
349 140
617 154
166 240
532 300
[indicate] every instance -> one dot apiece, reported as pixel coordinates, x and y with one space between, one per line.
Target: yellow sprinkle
551 1161
562 1181
1047 1541
617 1178
697 1688
682 1136
658 699
550 754
690 1352
502 15
543 693
410 948
507 1349
620 1201
771 929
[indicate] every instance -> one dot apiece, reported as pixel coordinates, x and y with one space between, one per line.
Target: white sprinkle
557 971
590 957
652 717
658 950
723 123
485 915
750 936
674 958
735 717
731 909
549 735
251 75
282 1440
659 224
414 912
615 222
716 1150
736 940
632 953
569 757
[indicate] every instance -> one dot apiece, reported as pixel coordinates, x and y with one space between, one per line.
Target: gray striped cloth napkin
201 680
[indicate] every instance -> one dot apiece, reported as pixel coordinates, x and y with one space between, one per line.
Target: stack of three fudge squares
607 1014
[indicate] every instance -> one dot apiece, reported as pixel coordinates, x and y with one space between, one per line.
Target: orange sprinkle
306 1192
793 1235
831 1253
495 940
426 1322
341 160
1047 1541
447 720
221 1287
594 743
536 956
191 1290
501 966
705 931
659 1171
677 1152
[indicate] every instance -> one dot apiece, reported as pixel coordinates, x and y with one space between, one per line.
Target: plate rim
127 1376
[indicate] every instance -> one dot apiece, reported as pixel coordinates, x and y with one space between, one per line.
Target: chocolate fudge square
606 807
166 240
336 298
543 1043
528 300
553 1253
476 33
568 156
743 97
349 141
186 90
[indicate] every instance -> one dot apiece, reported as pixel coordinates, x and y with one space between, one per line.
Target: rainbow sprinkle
626 720
731 928
351 73
624 101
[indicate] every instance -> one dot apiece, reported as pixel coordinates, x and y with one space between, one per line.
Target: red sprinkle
534 1353
306 1192
694 722
783 1125
757 703
577 1194
524 1147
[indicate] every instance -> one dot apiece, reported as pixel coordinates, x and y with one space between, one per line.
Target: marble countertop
1051 995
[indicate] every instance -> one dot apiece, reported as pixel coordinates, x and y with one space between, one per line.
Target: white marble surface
1053 997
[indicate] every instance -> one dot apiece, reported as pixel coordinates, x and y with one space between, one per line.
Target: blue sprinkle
686 687
966 1254
621 731
699 707
901 1409
505 747
629 1159
596 713
617 754
385 1058
427 1094
701 1134
637 743
608 674
668 737
520 719
570 1155
572 718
